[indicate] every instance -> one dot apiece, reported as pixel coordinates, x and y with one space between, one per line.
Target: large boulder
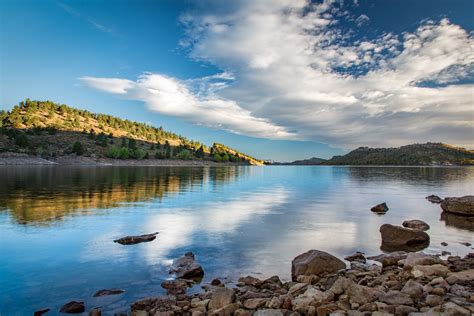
187 268
459 205
315 262
221 297
396 238
416 224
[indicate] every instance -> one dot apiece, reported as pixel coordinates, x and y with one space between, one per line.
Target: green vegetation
410 155
48 129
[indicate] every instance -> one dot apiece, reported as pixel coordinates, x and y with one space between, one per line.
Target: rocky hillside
410 155
308 162
48 130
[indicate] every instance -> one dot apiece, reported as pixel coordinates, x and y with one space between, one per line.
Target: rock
310 297
315 262
413 289
396 298
131 240
41 311
216 282
420 258
433 300
461 277
459 205
95 312
405 310
73 307
268 312
106 292
434 199
381 208
177 286
445 253
362 294
186 268
389 259
275 302
444 244
460 290
416 224
428 271
458 221
452 309
400 238
250 280
255 303
467 244
158 304
221 297
297 289
358 257
228 309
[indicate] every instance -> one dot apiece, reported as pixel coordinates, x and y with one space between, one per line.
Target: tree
217 157
21 140
184 155
124 153
132 144
200 152
78 149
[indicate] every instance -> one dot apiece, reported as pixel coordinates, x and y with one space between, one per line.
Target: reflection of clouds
177 227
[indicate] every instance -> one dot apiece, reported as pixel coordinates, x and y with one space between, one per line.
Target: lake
57 224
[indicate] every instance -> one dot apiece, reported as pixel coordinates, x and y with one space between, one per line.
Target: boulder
228 309
381 208
174 287
186 268
255 303
389 259
396 298
399 238
413 289
433 300
422 259
356 257
221 297
315 262
131 240
458 221
250 280
434 270
269 312
362 294
106 292
461 277
459 205
73 307
434 199
416 224
452 309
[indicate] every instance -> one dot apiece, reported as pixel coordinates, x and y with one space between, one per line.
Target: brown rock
73 307
41 311
381 208
174 287
228 309
358 257
250 280
459 205
452 309
315 262
186 268
413 289
396 298
221 297
416 224
389 259
255 303
429 271
414 259
433 300
399 238
434 199
106 292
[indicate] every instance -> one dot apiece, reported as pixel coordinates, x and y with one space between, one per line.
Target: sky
277 79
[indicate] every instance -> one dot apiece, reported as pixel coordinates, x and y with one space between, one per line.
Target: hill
409 155
48 130
308 162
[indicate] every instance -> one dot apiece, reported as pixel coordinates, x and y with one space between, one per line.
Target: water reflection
461 222
39 195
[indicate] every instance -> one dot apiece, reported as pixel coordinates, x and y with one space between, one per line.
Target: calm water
57 224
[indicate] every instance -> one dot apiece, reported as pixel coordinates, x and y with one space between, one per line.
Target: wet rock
399 238
389 259
459 205
73 307
216 282
175 287
467 244
221 297
157 304
414 259
429 271
95 312
444 244
445 253
416 224
413 289
434 199
381 208
315 262
106 292
131 240
186 268
357 257
41 311
396 298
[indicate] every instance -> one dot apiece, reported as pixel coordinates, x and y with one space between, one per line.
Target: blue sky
277 79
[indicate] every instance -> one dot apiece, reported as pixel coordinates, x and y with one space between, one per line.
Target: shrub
124 153
113 152
21 140
138 153
184 155
77 148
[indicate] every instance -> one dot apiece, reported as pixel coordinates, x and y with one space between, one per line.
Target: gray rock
315 262
268 312
221 297
413 289
416 224
399 238
389 259
433 300
414 259
434 199
396 298
434 270
106 292
73 307
186 268
452 309
459 205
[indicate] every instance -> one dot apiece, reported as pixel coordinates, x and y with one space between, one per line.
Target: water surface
57 224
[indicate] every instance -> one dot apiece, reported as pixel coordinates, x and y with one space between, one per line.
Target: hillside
48 130
308 162
409 155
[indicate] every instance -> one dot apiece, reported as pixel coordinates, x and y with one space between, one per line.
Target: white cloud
295 69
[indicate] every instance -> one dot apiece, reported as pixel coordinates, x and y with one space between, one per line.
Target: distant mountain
308 162
409 155
47 129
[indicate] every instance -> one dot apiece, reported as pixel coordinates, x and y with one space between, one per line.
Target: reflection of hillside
42 194
409 175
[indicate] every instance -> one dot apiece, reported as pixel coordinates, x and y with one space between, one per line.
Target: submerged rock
174 287
186 268
381 208
416 224
434 199
356 257
106 292
399 238
41 311
131 240
315 262
73 307
459 205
